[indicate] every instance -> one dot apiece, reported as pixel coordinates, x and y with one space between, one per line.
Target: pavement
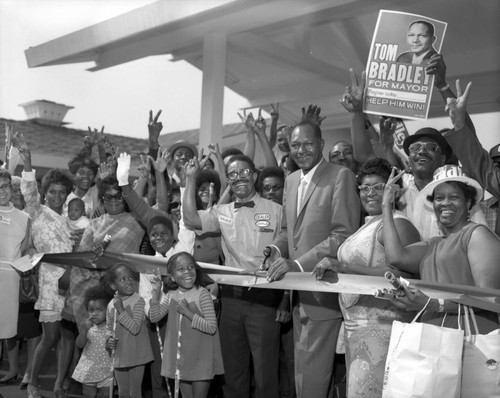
46 378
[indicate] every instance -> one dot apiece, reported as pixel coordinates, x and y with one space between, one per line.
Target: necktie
301 193
237 205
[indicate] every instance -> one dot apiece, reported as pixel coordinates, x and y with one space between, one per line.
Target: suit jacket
330 213
407 57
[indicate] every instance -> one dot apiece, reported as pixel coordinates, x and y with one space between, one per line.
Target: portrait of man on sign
420 38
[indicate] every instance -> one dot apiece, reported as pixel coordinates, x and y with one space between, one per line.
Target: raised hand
123 169
154 126
145 166
104 170
156 281
274 111
457 107
352 100
118 303
392 190
260 123
192 169
94 137
247 120
312 115
162 160
19 142
387 127
437 67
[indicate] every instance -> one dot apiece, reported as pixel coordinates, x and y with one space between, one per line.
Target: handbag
423 361
28 286
481 361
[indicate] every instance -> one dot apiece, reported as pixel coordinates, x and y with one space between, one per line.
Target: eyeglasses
429 146
269 188
233 176
109 197
5 186
174 205
366 189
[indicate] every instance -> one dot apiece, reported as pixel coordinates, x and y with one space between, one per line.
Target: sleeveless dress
94 365
446 261
367 319
13 231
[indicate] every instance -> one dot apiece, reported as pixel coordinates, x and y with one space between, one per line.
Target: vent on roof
46 112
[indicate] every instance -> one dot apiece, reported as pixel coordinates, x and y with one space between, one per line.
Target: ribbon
487 299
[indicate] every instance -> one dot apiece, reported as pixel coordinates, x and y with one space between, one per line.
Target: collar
256 198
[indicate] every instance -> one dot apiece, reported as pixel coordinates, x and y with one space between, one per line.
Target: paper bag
423 361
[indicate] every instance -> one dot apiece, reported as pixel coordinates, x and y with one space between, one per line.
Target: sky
118 98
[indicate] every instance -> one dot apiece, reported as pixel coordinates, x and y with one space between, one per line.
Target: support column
212 94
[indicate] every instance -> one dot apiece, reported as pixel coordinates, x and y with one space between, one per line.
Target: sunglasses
109 197
269 188
429 146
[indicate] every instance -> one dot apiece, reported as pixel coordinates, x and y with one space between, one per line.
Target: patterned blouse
51 234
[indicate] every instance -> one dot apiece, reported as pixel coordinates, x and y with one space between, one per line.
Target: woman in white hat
467 254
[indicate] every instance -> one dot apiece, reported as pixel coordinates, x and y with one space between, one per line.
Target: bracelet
444 88
441 305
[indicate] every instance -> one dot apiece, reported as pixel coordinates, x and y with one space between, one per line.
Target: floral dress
94 365
51 234
368 320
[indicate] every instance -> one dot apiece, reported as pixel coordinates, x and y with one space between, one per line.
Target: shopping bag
423 361
481 361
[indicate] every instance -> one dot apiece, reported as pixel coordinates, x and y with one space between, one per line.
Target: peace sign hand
352 100
392 190
457 107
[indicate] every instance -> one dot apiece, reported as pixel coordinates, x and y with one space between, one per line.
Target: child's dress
200 357
94 365
133 347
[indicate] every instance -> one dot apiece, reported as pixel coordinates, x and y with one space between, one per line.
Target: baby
76 214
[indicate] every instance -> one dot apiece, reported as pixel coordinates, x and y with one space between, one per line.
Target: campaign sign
396 82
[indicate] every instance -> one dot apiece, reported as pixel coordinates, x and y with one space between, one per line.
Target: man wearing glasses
427 150
249 327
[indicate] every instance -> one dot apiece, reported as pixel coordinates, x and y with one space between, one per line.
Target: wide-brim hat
428 132
186 144
448 173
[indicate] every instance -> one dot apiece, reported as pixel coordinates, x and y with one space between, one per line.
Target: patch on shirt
262 229
262 223
5 220
225 219
262 216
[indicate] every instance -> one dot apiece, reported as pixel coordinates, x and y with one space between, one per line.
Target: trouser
249 334
315 343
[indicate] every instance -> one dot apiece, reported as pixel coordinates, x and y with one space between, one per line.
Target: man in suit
321 209
420 40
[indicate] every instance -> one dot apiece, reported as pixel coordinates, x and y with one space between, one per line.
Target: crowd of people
364 210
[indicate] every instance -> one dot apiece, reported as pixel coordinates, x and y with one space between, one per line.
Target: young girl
127 331
94 367
200 356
